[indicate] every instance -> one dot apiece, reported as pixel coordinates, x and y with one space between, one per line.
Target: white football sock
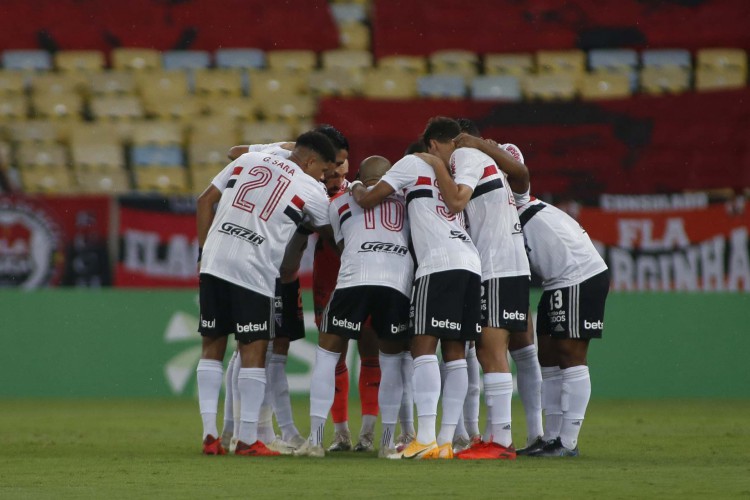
282 405
426 396
236 396
551 401
322 390
368 424
229 396
499 390
406 412
266 433
471 405
576 392
252 385
529 377
389 395
454 395
209 373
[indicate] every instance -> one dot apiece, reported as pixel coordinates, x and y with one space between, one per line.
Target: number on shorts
555 300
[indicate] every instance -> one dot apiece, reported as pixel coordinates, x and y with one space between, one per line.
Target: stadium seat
571 62
201 176
136 59
390 84
51 181
88 61
334 82
160 133
164 180
41 156
59 83
666 58
112 83
105 182
240 58
496 88
214 130
657 80
292 60
11 82
509 64
410 64
185 60
183 109
36 60
293 108
266 132
57 106
348 13
613 60
38 131
231 107
13 107
441 86
217 82
106 155
722 60
167 156
351 60
270 84
708 79
460 62
354 36
155 86
116 107
208 154
550 87
101 131
604 85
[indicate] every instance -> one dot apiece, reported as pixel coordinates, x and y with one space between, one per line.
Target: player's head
316 155
416 147
438 137
335 178
372 169
468 127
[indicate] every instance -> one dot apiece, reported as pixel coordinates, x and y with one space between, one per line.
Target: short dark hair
334 135
469 127
416 147
319 143
441 129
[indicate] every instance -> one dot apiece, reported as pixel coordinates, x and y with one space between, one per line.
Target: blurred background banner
54 240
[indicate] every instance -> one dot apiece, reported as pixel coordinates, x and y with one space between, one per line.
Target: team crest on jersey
242 233
378 246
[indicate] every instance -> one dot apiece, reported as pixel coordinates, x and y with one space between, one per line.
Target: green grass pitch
151 448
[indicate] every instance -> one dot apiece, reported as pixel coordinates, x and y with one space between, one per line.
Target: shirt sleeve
316 207
403 174
263 148
333 216
522 198
220 181
467 167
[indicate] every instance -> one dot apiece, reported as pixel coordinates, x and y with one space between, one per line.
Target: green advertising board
112 343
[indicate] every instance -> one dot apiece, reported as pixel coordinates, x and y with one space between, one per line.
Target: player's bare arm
369 198
290 264
455 196
518 174
205 211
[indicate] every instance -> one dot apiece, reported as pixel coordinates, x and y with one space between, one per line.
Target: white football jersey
273 148
440 240
263 199
491 215
376 243
560 251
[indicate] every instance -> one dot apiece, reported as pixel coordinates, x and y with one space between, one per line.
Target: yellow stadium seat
234 108
266 132
604 85
550 87
708 79
460 62
217 82
59 83
561 61
664 80
292 60
410 64
88 61
13 107
520 64
127 107
104 182
334 82
101 131
158 132
354 36
208 154
267 84
214 130
350 60
722 60
58 106
38 131
390 84
44 156
136 59
97 156
302 126
112 83
202 175
165 180
289 108
156 86
51 181
183 109
11 82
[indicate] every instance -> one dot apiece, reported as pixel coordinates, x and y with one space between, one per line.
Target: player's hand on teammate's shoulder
431 160
464 140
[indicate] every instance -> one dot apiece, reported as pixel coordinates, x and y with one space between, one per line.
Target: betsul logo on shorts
400 328
345 323
379 246
444 323
515 315
252 327
593 325
242 233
